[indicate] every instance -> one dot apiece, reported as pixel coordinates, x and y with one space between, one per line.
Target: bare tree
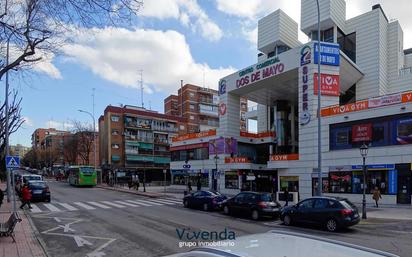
35 27
85 137
70 152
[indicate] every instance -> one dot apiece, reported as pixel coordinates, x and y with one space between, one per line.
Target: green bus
82 176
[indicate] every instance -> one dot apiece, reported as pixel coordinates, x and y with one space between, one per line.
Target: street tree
85 139
35 28
15 122
70 144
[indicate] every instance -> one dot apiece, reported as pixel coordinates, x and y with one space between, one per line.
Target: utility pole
141 87
7 120
95 139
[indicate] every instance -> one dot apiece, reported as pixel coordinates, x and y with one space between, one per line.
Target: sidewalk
26 244
389 212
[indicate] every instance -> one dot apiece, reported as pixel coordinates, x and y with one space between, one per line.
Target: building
137 140
40 134
365 98
19 150
198 105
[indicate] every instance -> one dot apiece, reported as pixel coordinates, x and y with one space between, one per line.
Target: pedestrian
376 196
26 196
199 185
286 194
137 182
1 197
189 186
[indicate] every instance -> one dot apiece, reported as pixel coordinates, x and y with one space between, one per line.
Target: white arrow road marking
87 207
113 204
68 207
66 228
35 209
51 207
128 204
133 201
81 241
100 205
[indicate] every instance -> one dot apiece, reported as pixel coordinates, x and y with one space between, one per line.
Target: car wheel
186 204
226 210
206 207
255 215
287 220
331 225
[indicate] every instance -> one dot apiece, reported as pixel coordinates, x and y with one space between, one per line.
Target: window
191 95
321 204
342 137
340 182
306 204
115 118
182 127
192 107
115 146
404 131
374 178
240 197
192 117
115 132
328 35
231 180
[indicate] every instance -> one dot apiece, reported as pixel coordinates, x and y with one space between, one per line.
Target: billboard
223 146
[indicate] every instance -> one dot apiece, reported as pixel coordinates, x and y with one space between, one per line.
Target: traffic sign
12 161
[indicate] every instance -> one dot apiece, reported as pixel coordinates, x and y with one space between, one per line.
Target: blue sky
170 40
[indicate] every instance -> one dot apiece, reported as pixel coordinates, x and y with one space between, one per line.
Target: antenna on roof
141 87
204 77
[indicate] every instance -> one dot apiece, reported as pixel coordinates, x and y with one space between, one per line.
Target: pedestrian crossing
93 205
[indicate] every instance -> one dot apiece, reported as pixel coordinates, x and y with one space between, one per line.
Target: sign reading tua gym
267 69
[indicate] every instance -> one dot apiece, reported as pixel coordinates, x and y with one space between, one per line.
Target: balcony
132 151
141 145
162 160
165 128
161 141
211 123
142 158
208 110
138 139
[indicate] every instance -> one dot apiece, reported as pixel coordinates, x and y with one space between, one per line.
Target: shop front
183 177
260 181
404 183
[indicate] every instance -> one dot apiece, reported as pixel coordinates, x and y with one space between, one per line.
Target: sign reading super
262 70
329 54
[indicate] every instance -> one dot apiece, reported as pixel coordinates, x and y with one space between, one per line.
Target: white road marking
149 202
87 207
134 201
66 228
81 241
68 207
164 202
99 205
128 204
113 204
35 209
169 201
51 207
57 219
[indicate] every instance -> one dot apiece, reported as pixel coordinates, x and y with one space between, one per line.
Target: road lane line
113 204
164 202
87 207
149 202
68 207
133 201
51 207
99 205
128 204
35 209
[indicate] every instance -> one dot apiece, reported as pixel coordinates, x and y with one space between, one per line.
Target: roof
123 110
407 51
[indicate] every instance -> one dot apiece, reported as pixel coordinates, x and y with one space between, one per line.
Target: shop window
231 180
342 137
325 186
289 182
403 131
374 179
115 118
340 182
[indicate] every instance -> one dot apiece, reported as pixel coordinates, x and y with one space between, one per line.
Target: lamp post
364 152
213 173
319 121
94 140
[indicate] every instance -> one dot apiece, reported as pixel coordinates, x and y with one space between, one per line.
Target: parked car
206 200
39 190
252 204
280 244
331 212
25 178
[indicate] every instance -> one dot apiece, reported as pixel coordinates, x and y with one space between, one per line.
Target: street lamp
94 140
320 184
364 152
213 173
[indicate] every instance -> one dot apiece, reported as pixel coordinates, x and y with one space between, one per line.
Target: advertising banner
329 84
385 100
208 133
362 132
329 54
223 146
393 182
403 131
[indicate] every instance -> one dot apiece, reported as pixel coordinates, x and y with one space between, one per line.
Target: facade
365 98
19 150
198 105
137 140
38 136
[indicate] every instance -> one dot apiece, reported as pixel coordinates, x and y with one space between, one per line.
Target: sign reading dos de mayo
269 68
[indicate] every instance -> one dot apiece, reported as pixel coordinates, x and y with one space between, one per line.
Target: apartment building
38 136
137 140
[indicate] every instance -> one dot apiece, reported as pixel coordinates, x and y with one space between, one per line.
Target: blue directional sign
329 54
12 161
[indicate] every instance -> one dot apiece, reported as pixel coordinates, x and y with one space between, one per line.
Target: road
96 222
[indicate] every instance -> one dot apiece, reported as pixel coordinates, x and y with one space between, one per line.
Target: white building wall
262 118
395 51
332 12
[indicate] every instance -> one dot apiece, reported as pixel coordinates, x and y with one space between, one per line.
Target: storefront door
404 184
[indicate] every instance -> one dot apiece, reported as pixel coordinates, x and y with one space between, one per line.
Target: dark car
252 204
206 200
39 190
331 212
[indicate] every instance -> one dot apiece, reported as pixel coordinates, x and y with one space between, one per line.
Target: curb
37 235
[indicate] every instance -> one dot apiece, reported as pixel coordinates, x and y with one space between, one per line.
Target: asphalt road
97 222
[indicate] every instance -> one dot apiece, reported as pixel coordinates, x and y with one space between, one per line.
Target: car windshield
87 170
266 198
28 178
37 184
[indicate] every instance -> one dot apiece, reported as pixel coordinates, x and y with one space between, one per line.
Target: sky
199 41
